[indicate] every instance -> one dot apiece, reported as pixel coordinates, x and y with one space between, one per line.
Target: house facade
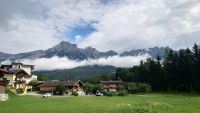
2 88
111 85
70 87
27 68
18 75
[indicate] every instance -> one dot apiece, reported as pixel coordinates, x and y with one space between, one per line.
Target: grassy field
148 103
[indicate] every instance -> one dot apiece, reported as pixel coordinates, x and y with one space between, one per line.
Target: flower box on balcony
20 81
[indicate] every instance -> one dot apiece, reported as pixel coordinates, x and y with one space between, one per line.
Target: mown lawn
148 103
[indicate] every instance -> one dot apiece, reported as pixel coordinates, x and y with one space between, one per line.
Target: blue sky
83 31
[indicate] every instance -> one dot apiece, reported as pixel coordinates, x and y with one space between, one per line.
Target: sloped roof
17 71
53 83
16 63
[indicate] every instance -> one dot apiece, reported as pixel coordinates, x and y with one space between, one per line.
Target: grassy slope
162 103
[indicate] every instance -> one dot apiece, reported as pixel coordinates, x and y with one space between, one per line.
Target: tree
88 88
42 78
60 89
33 83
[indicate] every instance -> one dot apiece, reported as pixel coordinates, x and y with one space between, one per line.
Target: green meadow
147 103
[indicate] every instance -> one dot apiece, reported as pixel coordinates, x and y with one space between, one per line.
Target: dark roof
17 71
53 83
20 64
16 63
107 82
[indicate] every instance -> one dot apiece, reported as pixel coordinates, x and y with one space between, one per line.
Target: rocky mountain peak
89 48
66 49
65 45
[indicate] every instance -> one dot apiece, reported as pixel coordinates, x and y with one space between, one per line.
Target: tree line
177 71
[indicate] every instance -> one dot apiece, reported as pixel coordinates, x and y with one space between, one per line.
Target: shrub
143 88
138 87
96 87
20 91
33 83
60 89
92 88
75 94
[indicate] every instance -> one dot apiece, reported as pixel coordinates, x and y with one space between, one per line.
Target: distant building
70 86
111 85
18 75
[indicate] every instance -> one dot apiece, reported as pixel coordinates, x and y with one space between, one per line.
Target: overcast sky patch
29 25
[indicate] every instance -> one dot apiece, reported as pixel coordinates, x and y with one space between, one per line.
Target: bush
75 94
143 88
33 83
20 91
138 87
60 89
92 88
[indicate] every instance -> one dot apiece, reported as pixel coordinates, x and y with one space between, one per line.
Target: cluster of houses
17 76
70 87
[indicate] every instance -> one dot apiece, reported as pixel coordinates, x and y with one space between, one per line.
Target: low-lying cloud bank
65 63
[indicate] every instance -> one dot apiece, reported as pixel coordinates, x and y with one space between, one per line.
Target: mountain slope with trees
78 73
179 71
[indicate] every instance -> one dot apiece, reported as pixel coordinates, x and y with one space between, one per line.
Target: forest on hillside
78 73
178 71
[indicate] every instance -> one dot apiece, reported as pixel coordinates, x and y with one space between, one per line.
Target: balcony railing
20 81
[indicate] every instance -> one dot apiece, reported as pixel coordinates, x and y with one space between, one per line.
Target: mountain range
66 49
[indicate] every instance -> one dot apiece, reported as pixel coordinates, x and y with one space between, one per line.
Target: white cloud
119 24
28 35
45 24
65 63
78 38
147 23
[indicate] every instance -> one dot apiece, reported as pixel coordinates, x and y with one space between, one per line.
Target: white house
19 66
18 75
